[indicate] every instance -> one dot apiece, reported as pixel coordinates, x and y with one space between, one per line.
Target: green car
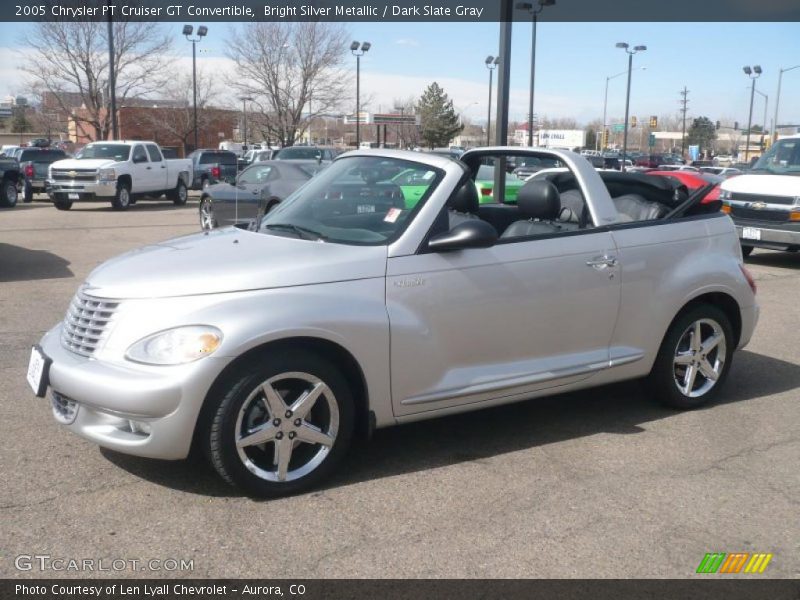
485 184
413 183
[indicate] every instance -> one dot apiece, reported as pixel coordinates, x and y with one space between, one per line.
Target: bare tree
293 71
69 60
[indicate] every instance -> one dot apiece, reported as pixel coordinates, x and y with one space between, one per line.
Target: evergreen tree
438 120
20 123
702 133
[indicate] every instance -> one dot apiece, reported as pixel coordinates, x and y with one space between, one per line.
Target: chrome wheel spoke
708 371
684 358
303 405
260 435
283 455
276 405
711 343
697 337
312 435
688 379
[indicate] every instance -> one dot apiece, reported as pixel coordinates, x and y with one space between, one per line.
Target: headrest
539 199
465 199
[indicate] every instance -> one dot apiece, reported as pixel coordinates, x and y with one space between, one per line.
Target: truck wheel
205 183
747 251
27 193
280 425
8 193
208 219
180 194
694 358
62 204
122 199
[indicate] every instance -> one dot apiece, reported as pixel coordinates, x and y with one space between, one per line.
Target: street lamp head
747 70
187 30
547 2
489 60
365 46
757 69
202 31
622 45
524 6
497 61
354 46
639 48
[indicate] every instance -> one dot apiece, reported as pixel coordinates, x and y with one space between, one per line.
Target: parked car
721 171
763 201
9 176
34 164
317 153
272 348
694 181
269 182
120 172
212 166
8 151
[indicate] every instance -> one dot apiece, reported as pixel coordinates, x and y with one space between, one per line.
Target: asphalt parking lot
602 483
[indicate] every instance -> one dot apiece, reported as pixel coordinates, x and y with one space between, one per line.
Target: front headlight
176 346
724 195
107 175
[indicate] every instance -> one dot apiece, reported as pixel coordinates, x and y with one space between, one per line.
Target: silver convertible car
363 301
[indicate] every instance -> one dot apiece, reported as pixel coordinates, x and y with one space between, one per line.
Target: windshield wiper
302 232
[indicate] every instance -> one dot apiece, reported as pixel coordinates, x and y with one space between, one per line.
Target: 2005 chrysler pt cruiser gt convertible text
346 308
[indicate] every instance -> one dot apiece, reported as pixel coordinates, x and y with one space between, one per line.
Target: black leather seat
632 207
539 202
463 204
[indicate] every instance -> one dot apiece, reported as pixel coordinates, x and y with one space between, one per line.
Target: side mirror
469 234
230 180
139 159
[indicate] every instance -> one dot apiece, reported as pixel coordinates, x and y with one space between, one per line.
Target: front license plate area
73 196
38 371
751 233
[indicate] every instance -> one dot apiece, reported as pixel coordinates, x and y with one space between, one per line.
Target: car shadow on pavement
619 408
23 264
788 260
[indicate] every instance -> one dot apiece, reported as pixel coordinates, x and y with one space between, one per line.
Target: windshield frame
278 216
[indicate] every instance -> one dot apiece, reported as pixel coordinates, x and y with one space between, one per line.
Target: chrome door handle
602 262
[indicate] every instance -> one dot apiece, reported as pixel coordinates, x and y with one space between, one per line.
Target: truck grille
742 197
74 174
87 323
773 216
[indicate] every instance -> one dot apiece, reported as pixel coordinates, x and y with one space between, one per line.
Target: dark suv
212 166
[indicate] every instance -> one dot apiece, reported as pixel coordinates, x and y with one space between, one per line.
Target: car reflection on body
227 204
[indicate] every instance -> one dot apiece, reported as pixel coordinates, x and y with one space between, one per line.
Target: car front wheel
122 199
8 193
694 358
281 424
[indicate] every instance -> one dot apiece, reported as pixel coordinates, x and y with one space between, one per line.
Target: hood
91 163
230 260
768 185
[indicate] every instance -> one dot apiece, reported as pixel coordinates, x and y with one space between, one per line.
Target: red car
695 181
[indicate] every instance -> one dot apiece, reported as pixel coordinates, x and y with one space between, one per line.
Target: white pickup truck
120 172
764 202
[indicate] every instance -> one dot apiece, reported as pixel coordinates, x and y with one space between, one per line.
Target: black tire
677 345
8 193
208 219
27 193
122 199
62 204
240 410
747 251
204 183
180 195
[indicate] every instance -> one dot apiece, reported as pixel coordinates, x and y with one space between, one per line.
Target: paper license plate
74 196
751 233
38 368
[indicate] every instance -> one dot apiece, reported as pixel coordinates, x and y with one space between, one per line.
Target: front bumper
771 237
86 190
130 408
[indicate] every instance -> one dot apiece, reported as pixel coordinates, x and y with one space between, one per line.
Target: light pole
491 63
535 17
605 98
202 31
630 53
764 126
358 50
753 74
778 99
112 79
245 100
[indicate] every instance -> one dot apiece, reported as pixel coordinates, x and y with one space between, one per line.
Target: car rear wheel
27 193
180 194
694 358
122 199
208 219
62 204
281 424
8 193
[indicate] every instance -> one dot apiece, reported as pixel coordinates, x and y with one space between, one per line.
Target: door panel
477 324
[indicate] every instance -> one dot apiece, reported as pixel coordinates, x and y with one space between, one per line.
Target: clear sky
572 63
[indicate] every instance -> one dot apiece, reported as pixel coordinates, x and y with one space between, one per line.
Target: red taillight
750 281
215 172
28 170
486 191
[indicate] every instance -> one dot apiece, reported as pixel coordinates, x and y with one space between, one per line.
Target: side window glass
139 154
154 152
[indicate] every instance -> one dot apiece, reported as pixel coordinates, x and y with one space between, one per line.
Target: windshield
117 152
355 201
782 157
295 153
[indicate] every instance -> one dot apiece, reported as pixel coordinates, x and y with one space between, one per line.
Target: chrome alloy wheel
287 426
124 196
207 220
699 358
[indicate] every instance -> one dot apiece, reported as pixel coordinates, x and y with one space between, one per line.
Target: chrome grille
742 197
87 323
74 174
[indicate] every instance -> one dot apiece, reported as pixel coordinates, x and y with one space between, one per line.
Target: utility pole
684 102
